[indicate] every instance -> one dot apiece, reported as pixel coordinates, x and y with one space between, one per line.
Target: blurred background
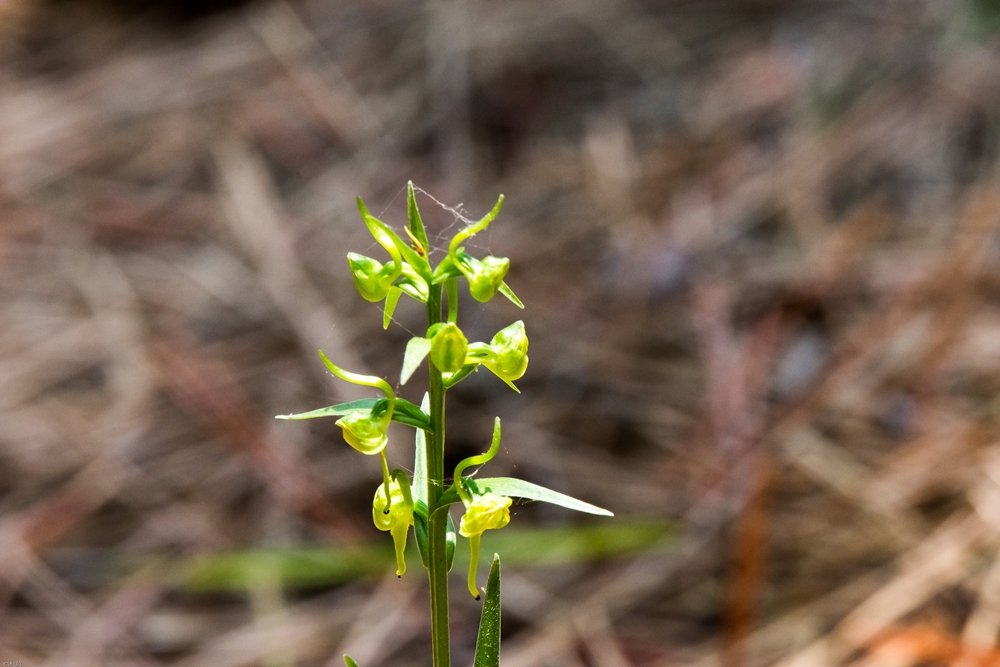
758 245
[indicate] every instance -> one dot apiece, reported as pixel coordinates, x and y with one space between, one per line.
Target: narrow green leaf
420 459
349 661
518 488
416 224
362 405
488 643
419 489
404 413
416 351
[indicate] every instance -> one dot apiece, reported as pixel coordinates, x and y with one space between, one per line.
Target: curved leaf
451 540
349 661
518 488
488 643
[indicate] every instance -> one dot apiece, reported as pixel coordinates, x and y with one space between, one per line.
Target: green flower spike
393 511
506 355
448 347
483 511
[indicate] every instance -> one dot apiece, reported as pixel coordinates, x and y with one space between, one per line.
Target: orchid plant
423 501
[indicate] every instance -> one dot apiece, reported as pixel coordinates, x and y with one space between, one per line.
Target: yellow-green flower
363 433
371 278
485 512
506 356
485 276
394 513
510 347
448 348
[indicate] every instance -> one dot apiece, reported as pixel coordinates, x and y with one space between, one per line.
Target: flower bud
395 516
363 433
510 348
485 276
371 278
485 512
448 348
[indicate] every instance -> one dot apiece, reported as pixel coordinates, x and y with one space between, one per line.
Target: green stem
438 521
451 289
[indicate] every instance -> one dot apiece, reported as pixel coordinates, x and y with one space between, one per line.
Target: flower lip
486 512
363 433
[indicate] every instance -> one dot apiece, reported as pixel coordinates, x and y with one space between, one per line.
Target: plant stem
437 521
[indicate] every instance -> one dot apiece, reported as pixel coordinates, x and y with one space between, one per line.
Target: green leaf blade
349 661
488 643
416 223
416 351
419 488
518 488
405 412
362 405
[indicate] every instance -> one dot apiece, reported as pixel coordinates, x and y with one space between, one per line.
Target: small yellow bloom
486 512
363 433
395 516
